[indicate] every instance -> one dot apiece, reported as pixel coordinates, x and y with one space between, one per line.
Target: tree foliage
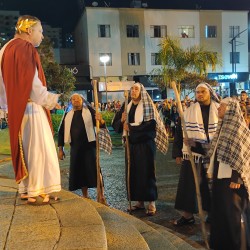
187 67
59 78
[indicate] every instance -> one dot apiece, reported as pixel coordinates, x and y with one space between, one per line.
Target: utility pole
233 59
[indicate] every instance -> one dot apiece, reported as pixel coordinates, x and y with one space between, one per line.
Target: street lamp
104 59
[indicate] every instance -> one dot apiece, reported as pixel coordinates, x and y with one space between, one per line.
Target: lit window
186 31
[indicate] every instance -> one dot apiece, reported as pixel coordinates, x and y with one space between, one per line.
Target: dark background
65 13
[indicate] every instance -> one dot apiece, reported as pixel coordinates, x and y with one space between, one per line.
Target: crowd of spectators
169 111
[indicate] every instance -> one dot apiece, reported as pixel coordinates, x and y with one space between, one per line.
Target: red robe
19 62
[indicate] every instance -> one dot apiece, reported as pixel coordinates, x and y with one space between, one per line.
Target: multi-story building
8 21
130 37
54 34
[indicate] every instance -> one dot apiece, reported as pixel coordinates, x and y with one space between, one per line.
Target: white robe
37 141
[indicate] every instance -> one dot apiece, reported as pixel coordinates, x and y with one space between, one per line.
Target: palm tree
179 65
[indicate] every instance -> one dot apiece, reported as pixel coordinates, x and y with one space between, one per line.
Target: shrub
56 120
108 117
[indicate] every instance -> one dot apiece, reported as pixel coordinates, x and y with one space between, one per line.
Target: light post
104 59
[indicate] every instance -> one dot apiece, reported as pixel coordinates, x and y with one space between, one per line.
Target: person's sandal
183 221
151 211
38 201
135 208
24 197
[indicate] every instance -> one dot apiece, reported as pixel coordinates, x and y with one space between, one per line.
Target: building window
158 30
186 31
210 31
155 59
234 57
109 62
132 30
133 58
234 31
104 30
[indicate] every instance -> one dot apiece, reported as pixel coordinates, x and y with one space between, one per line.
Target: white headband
202 85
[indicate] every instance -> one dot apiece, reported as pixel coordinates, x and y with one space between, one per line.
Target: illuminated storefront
231 83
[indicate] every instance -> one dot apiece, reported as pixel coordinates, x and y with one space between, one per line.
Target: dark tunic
228 205
142 156
186 192
82 153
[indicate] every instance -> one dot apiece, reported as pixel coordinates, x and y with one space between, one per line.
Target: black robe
186 192
82 153
142 156
228 205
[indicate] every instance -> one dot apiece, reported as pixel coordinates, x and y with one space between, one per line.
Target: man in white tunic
23 90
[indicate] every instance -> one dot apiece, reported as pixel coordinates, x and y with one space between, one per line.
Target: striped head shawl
233 146
212 92
150 113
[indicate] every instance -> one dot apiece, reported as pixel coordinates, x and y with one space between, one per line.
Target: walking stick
128 152
196 179
100 188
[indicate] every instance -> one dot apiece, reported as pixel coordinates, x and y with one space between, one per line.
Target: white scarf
146 111
138 113
87 118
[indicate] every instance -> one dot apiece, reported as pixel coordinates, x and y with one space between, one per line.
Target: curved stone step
82 227
121 234
176 240
72 223
154 238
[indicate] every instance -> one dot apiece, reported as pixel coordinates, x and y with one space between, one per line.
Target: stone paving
113 172
167 172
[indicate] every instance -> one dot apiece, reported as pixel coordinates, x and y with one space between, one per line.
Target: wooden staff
128 151
100 190
196 179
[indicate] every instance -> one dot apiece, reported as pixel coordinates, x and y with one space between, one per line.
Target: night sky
65 13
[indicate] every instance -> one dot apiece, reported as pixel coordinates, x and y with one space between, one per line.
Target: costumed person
146 132
201 120
230 168
77 129
23 89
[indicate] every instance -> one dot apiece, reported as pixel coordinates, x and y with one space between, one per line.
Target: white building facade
130 36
